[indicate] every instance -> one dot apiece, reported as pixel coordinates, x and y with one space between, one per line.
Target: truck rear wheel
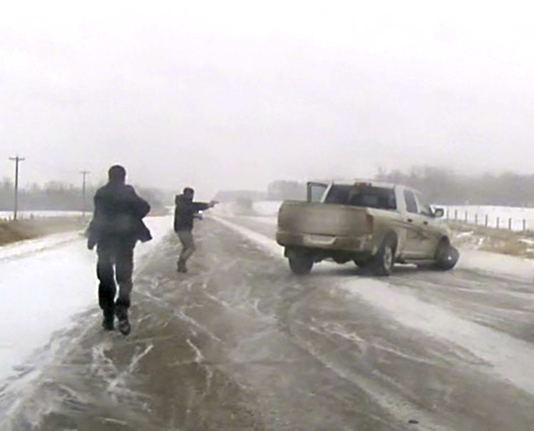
385 257
446 256
300 263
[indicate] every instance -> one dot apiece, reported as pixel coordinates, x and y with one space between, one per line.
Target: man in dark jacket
185 212
116 227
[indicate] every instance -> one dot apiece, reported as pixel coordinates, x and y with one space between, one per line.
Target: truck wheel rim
388 257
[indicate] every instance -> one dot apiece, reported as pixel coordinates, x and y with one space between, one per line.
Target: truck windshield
362 196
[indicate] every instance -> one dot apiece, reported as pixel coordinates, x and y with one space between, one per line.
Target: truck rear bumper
325 242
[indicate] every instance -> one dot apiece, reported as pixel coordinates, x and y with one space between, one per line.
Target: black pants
115 262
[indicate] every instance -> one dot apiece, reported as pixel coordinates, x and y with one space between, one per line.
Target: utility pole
17 160
84 188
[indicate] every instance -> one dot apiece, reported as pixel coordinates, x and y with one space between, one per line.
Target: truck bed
321 219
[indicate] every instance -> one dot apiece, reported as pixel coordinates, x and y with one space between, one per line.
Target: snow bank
5 215
497 264
33 246
43 284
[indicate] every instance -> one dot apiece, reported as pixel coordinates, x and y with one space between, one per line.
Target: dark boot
108 322
124 323
182 267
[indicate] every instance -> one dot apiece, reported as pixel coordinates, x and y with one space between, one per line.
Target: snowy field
44 283
517 219
8 215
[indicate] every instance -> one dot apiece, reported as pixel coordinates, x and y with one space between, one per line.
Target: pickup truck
373 224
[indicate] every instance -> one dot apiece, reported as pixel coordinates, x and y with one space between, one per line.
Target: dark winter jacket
185 211
119 213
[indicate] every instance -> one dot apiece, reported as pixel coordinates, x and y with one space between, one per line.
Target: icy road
239 343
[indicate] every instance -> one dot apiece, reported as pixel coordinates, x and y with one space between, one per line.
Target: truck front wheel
446 256
300 263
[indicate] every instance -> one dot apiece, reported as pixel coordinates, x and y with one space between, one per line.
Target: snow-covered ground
401 340
43 284
494 347
8 215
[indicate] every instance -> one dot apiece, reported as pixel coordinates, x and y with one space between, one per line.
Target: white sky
235 94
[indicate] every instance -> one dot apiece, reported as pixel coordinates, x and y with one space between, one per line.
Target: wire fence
509 218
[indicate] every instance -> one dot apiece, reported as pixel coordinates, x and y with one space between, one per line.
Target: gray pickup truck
373 224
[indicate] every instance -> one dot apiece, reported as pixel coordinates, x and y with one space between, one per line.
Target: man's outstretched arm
202 206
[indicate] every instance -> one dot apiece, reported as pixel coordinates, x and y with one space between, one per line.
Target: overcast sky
226 94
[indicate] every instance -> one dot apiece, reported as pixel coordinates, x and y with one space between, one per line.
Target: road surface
239 343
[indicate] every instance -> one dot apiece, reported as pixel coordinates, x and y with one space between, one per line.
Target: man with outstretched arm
116 227
185 212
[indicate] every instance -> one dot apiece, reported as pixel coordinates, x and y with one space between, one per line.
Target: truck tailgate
321 219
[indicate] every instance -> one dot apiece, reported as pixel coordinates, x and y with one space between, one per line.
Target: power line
84 188
17 160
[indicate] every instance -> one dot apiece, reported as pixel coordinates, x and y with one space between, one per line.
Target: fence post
486 220
510 223
524 225
455 215
498 222
466 216
476 219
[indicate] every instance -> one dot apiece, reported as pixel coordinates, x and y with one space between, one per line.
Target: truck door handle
410 220
425 222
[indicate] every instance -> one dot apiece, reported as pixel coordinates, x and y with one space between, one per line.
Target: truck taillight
369 223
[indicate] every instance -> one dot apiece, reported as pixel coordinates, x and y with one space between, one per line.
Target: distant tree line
443 186
440 186
56 196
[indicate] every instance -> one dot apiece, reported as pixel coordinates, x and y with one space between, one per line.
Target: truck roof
372 183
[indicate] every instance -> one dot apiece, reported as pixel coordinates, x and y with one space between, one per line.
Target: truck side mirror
439 212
